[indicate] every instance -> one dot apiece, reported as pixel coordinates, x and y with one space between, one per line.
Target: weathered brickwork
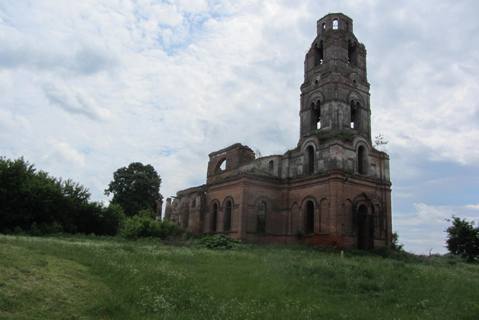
333 189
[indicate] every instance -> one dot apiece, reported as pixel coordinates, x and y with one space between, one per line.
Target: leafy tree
32 201
463 239
135 188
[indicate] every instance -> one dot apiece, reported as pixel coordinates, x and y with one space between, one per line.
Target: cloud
74 101
67 153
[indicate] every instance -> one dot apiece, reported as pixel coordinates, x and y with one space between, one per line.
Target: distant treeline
32 201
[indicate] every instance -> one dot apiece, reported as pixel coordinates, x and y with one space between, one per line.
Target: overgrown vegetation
32 201
143 225
103 278
219 241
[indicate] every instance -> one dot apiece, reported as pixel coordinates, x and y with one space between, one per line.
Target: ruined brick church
332 189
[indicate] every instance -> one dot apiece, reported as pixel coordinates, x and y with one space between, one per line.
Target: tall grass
107 278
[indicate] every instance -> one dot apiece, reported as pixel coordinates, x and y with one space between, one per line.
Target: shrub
219 241
143 225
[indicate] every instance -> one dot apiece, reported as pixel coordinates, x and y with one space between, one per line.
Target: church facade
332 189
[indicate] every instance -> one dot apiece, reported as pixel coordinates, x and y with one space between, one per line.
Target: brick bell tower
335 136
335 92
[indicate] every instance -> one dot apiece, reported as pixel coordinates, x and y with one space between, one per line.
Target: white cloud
67 153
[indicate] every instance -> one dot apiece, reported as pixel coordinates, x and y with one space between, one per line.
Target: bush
219 241
143 225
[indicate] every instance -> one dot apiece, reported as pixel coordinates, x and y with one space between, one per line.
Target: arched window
354 116
362 163
271 166
214 217
335 24
324 26
318 53
222 165
309 217
316 115
261 217
227 217
310 160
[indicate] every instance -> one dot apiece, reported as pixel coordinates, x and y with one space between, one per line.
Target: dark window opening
335 24
214 217
309 218
316 115
352 54
355 115
271 166
227 220
310 160
318 54
193 203
361 160
261 218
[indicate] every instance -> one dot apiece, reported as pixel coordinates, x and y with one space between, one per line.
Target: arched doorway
365 228
309 218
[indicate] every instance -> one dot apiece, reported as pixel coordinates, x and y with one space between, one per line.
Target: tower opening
335 24
316 115
361 160
227 220
355 112
309 217
318 54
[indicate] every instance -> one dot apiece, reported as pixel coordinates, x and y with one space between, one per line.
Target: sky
87 87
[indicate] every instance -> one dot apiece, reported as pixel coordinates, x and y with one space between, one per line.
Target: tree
34 202
463 239
135 188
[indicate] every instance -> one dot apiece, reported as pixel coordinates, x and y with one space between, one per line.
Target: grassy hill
106 278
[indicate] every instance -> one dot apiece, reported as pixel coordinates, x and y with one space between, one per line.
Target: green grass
108 278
